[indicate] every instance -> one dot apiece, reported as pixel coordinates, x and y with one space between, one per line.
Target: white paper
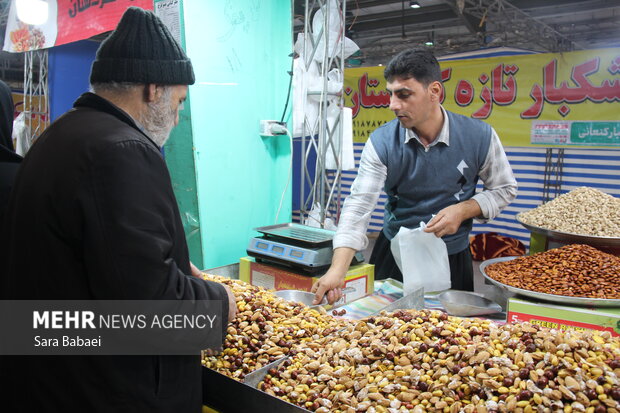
169 13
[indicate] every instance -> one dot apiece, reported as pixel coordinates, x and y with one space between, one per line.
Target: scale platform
308 249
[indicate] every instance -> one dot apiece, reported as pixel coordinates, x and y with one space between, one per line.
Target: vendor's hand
232 303
446 222
331 285
195 271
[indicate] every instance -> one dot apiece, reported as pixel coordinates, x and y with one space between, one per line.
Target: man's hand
232 303
448 220
331 284
195 271
333 280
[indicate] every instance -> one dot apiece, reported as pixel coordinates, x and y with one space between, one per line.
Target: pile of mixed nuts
266 328
418 361
423 361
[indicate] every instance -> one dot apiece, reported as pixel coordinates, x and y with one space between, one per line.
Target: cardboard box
274 277
562 317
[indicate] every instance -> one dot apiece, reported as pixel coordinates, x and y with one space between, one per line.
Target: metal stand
36 107
318 137
553 174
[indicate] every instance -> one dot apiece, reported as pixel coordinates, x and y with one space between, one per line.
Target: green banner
595 133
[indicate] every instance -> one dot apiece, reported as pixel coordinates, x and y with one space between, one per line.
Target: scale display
294 245
282 252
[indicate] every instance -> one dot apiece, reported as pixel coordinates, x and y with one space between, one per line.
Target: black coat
93 216
9 160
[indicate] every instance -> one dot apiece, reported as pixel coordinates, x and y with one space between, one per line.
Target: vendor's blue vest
420 183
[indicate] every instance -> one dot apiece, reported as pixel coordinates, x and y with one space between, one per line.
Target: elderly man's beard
159 117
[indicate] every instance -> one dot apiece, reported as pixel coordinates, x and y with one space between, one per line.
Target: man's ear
150 92
435 89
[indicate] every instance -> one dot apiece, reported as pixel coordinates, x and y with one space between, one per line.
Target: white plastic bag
314 219
343 142
334 27
20 135
422 258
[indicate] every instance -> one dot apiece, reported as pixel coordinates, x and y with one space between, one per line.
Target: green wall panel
179 153
240 51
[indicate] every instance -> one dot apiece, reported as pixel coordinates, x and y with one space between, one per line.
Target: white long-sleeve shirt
500 188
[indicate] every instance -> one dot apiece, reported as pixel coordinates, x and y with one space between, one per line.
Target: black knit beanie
141 50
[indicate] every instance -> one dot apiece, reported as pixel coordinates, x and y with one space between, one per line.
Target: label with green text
582 133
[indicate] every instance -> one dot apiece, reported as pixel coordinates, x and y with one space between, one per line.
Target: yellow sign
38 116
550 99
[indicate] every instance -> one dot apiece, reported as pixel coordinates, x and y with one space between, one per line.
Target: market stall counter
284 357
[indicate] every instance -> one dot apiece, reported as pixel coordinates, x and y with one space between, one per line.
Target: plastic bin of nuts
423 361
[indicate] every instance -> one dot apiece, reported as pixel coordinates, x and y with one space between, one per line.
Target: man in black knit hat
93 216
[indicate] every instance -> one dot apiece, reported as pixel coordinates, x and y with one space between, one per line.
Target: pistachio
439 378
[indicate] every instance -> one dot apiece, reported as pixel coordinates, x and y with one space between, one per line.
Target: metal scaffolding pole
319 137
36 104
552 184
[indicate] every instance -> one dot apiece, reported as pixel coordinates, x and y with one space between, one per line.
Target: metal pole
325 189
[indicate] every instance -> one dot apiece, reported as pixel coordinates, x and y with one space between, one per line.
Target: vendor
93 216
428 160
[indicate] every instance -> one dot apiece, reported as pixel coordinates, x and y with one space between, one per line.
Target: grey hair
114 87
157 118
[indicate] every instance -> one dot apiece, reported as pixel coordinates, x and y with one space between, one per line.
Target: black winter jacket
93 215
9 160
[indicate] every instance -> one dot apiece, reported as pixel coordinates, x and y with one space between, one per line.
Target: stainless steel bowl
510 291
569 237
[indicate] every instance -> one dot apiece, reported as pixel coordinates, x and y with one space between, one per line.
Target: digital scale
304 248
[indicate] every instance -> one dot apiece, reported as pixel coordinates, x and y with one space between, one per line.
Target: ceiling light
430 39
414 5
34 12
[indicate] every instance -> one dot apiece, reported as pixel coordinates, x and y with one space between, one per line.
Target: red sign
81 19
68 21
